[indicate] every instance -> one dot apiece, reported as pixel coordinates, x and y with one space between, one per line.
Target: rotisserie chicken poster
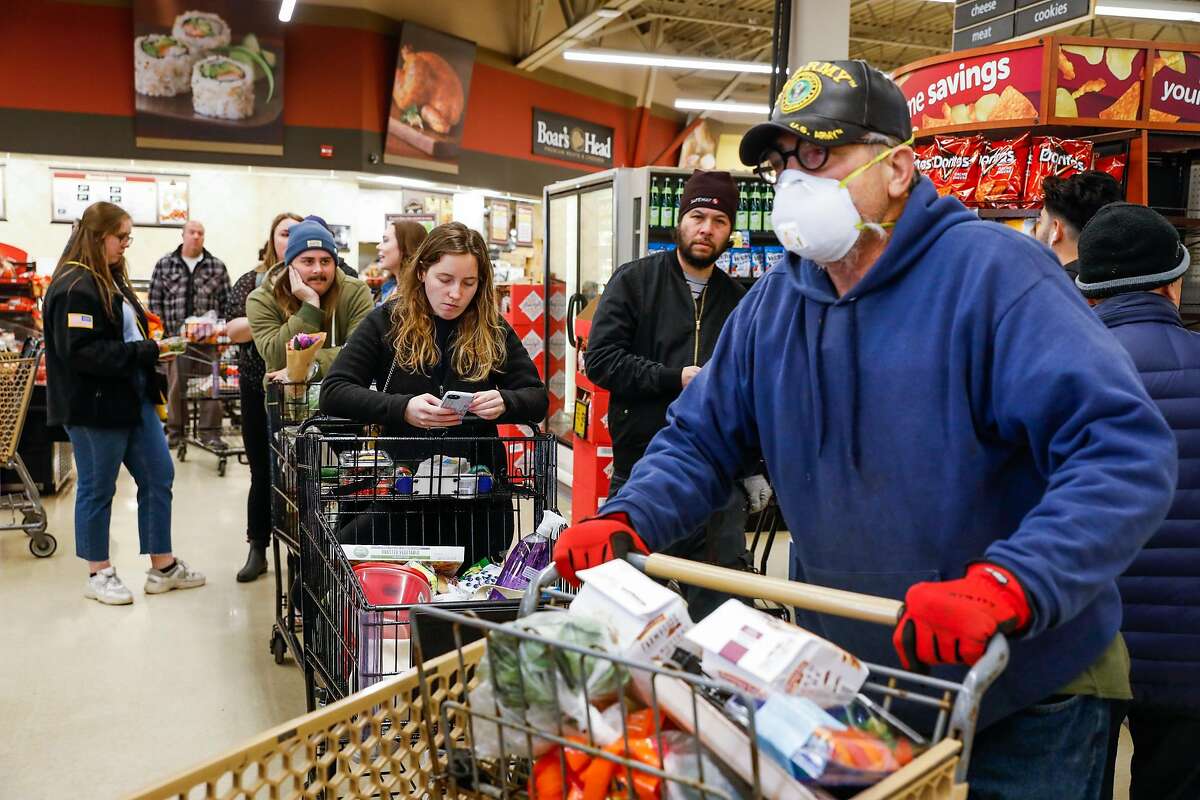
429 99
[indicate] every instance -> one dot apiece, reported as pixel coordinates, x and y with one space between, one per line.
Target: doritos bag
955 166
1054 156
923 157
1111 165
1002 172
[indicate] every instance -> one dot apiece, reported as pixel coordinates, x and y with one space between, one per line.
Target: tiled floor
96 702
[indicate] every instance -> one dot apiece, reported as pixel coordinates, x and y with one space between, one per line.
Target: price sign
150 200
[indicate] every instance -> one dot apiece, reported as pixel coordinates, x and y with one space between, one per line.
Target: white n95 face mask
815 217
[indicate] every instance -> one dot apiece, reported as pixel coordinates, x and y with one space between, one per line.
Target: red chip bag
1053 156
955 166
1111 165
923 157
1002 172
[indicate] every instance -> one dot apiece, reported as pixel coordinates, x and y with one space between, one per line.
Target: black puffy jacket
645 331
90 368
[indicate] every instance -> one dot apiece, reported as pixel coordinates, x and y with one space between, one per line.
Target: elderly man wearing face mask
945 423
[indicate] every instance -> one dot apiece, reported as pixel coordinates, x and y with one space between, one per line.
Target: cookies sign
996 86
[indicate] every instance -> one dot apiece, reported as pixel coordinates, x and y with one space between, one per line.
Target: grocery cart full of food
388 524
615 692
207 362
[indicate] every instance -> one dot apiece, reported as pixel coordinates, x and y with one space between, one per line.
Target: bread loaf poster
208 75
429 99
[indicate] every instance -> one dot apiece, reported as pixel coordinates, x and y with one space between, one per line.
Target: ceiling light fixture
600 56
1172 13
608 13
285 10
762 109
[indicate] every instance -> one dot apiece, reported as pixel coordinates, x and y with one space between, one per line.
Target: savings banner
1175 96
996 86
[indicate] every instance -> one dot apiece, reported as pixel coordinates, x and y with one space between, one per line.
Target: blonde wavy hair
479 344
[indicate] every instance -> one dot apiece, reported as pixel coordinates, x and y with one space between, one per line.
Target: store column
820 30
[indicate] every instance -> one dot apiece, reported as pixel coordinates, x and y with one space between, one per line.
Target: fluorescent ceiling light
761 109
608 13
669 62
285 10
1172 14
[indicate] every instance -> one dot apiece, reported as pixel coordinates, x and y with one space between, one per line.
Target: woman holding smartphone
251 371
103 387
443 333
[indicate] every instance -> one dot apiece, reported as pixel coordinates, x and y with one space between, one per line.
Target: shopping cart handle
533 592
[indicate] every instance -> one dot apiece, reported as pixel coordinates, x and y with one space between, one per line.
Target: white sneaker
181 576
107 588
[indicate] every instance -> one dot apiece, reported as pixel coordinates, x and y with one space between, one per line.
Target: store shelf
1183 222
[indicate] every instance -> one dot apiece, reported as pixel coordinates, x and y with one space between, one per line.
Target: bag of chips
1111 165
1002 172
1054 156
955 166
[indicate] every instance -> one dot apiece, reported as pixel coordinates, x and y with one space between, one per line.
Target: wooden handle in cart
838 602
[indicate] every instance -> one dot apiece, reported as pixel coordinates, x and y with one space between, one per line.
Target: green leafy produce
528 673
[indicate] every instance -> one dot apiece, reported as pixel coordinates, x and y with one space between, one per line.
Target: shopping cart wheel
221 468
32 518
278 646
43 545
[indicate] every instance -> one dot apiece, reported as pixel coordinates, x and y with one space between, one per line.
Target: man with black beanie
1131 268
1069 204
655 328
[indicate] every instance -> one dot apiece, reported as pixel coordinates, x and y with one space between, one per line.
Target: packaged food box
761 655
443 559
650 619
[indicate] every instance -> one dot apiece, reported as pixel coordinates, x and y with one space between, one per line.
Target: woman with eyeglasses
103 387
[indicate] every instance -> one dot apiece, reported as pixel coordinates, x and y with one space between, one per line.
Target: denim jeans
1049 751
99 453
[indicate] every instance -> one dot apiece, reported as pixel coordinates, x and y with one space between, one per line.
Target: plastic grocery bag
548 688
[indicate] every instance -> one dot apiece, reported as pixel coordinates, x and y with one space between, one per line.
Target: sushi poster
429 99
208 75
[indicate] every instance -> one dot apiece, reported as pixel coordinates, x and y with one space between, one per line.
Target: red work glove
950 622
594 541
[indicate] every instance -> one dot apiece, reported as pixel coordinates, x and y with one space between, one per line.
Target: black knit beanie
1128 248
715 190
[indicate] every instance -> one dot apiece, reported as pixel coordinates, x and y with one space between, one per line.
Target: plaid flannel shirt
177 293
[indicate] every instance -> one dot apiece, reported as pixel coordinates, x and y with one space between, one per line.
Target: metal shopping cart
358 493
289 406
420 735
211 374
17 374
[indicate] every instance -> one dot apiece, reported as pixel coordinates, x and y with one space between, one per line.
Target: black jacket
368 357
646 330
90 369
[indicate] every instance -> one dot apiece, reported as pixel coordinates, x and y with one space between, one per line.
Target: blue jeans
99 453
1049 751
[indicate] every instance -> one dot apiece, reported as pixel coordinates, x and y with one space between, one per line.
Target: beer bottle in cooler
743 209
654 203
678 202
768 205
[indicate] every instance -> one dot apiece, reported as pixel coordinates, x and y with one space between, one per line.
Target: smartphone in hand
458 402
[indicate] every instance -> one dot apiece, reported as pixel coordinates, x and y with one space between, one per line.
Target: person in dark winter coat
945 422
442 332
251 373
102 386
654 330
1131 267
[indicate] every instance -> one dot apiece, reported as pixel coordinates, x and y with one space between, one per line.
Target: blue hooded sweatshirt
961 402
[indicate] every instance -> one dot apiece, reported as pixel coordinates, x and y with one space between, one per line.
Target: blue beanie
309 236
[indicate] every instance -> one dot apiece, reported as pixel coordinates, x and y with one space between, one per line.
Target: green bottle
756 217
654 203
768 207
678 201
743 210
